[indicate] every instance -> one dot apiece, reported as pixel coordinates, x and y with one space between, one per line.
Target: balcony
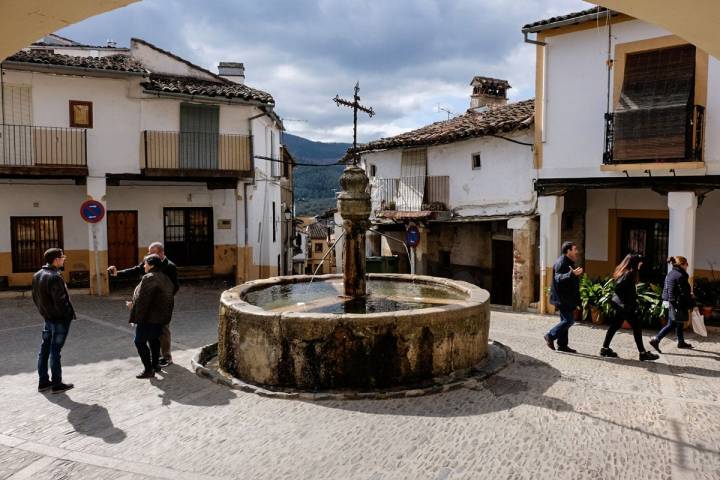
398 197
27 150
195 154
651 139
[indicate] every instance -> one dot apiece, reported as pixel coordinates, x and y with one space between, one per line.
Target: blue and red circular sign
412 236
92 211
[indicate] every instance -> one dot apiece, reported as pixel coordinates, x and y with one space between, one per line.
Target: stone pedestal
524 253
354 208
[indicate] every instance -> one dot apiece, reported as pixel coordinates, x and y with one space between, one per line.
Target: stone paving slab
548 415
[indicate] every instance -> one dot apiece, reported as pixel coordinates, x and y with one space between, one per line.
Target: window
30 237
189 236
81 114
318 247
373 170
476 162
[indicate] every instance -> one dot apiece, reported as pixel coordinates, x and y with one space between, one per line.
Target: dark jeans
560 331
620 317
53 339
148 334
676 318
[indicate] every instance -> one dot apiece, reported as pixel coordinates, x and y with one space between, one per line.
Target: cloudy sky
410 56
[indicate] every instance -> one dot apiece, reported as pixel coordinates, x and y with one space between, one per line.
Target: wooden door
122 231
199 128
502 255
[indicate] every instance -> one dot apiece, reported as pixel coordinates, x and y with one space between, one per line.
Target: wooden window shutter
652 116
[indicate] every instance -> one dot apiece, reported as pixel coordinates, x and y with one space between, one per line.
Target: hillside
315 186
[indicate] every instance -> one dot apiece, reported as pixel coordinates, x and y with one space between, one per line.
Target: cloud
409 55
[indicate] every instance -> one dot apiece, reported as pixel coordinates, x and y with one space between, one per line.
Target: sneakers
608 352
549 342
164 362
146 374
648 356
684 345
62 387
655 343
566 349
44 386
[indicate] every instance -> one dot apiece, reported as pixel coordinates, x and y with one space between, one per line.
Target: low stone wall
330 351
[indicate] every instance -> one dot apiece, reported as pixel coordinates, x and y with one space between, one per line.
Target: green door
199 127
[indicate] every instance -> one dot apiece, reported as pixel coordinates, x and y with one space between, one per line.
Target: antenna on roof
446 110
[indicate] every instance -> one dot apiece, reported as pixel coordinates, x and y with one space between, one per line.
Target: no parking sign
92 211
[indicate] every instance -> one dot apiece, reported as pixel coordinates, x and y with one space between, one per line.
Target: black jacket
565 288
153 299
167 267
625 294
51 296
677 289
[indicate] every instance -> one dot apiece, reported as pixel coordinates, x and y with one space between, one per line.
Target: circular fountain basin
290 332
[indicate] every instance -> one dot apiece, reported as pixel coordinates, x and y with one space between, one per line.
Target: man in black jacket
565 295
169 269
53 302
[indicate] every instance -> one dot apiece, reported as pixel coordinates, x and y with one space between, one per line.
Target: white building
627 154
467 185
174 152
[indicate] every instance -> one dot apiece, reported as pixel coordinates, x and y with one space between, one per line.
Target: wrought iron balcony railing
410 194
190 153
30 148
644 141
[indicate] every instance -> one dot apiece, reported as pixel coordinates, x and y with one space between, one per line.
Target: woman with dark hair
150 309
625 300
677 294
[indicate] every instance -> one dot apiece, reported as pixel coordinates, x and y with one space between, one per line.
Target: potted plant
649 308
706 296
605 303
590 294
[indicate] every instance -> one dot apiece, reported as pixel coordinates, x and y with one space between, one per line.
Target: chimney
488 92
233 71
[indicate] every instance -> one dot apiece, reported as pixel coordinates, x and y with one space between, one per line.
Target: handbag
698 323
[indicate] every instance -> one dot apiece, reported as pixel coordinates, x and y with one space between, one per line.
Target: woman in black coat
678 295
625 300
151 308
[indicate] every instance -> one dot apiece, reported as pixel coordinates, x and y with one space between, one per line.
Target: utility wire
297 163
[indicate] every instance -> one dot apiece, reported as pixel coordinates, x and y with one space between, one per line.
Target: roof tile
206 88
121 63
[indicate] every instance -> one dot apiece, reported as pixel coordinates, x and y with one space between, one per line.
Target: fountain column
354 206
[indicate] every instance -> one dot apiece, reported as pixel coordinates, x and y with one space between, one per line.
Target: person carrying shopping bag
678 296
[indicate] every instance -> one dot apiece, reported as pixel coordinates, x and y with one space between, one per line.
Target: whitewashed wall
502 186
576 99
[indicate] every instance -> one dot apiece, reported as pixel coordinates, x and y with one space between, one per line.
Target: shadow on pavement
652 366
179 385
90 420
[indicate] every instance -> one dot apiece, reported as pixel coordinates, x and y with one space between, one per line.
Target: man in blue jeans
53 302
565 295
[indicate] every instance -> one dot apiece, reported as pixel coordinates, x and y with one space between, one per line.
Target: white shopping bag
698 323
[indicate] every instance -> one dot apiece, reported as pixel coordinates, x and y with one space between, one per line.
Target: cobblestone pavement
548 415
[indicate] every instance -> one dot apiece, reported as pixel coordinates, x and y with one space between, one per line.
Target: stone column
354 207
551 209
524 253
97 239
683 211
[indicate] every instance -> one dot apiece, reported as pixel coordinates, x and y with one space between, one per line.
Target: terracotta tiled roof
317 231
552 21
206 88
120 63
494 120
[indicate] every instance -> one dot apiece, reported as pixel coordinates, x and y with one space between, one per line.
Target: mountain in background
315 187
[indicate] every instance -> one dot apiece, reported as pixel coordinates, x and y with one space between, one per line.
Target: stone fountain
351 331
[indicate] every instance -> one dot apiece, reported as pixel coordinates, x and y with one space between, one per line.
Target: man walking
53 302
169 269
565 295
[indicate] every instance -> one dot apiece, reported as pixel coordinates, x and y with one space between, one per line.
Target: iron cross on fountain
355 105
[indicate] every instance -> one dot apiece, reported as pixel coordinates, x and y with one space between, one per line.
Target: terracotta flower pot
707 312
626 324
596 316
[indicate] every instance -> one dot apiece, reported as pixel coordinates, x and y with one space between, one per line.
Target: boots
645 356
608 352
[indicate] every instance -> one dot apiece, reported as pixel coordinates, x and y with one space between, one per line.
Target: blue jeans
148 334
560 331
53 339
676 318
